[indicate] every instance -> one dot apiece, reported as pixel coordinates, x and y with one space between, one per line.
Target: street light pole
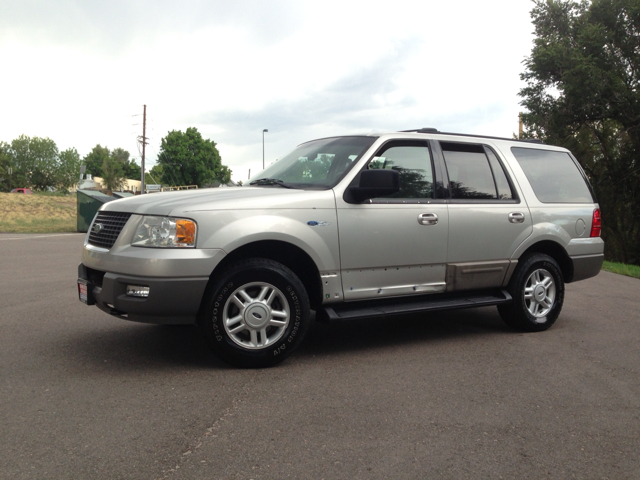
263 131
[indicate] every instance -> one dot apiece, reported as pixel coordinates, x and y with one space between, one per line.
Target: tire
256 314
537 288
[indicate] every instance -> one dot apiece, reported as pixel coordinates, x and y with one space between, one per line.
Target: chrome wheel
256 315
539 294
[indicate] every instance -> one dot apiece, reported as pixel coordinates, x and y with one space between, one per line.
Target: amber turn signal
185 232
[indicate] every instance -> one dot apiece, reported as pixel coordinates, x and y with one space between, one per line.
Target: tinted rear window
469 172
554 176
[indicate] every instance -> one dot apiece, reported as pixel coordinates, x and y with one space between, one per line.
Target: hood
231 198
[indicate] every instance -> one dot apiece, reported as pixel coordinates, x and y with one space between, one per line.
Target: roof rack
433 130
421 130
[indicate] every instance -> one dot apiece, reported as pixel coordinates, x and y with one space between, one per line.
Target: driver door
396 245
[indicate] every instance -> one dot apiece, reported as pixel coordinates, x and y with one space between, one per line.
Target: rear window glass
553 175
469 172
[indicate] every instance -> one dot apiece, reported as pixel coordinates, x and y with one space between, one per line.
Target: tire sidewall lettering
216 320
298 312
293 295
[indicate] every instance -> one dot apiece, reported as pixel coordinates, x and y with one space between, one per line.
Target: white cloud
77 71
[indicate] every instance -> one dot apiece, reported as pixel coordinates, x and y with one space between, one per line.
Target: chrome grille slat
112 224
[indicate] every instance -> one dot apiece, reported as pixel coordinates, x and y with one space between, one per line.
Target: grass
622 269
37 213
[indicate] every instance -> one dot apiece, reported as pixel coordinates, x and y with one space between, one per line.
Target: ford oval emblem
97 228
312 223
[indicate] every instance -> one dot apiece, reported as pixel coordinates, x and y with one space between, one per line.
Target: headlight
165 232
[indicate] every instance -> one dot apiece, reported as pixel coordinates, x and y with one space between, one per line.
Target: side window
470 175
554 176
504 189
413 164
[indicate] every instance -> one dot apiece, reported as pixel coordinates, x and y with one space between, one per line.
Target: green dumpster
89 202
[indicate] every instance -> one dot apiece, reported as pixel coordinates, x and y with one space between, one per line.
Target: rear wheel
256 314
537 289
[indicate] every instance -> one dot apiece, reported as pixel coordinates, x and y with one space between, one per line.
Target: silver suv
351 227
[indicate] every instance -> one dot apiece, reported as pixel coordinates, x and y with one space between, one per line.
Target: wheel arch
555 251
289 255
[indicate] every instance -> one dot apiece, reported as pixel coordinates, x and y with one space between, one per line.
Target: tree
113 174
114 167
224 174
154 175
582 92
95 159
6 180
35 161
131 169
68 172
188 159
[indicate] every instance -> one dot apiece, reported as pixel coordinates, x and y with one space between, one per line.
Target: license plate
84 292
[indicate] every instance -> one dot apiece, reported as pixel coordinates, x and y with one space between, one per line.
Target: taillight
596 223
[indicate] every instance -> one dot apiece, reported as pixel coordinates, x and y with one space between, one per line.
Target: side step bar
381 308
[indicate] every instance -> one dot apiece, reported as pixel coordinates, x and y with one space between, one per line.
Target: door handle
516 217
428 219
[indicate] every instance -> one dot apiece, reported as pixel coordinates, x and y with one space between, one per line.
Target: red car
22 190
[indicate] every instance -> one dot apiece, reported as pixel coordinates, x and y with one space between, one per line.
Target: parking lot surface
449 395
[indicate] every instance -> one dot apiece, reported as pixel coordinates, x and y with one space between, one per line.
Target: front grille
112 223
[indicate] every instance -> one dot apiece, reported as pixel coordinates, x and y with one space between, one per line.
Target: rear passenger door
487 217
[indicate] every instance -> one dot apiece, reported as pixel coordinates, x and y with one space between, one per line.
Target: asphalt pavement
447 395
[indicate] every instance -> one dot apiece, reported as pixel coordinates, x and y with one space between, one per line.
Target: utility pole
143 139
265 130
520 129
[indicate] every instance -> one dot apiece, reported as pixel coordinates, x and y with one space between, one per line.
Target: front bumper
176 277
171 300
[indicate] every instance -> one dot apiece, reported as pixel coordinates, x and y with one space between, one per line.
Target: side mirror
373 183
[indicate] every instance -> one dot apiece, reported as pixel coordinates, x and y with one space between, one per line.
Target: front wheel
537 289
256 314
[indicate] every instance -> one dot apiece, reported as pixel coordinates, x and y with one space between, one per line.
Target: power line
166 165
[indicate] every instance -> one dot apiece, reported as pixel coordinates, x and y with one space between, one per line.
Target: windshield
316 164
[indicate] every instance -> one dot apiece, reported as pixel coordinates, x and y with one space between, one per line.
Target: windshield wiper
271 181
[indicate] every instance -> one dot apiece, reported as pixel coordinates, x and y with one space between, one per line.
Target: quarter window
554 176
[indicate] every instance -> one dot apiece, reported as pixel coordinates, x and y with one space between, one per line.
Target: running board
381 308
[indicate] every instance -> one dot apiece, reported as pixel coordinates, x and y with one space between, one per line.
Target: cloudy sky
80 71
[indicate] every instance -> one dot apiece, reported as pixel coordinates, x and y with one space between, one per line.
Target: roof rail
433 130
421 130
